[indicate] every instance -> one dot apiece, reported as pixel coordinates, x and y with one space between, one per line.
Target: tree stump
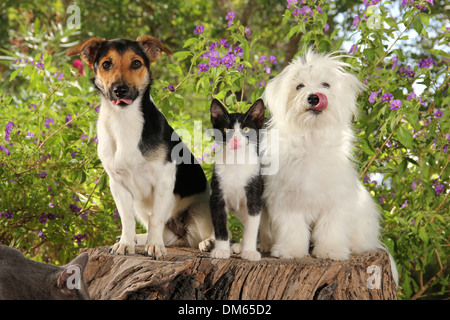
189 274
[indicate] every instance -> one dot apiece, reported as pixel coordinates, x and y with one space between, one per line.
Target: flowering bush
55 196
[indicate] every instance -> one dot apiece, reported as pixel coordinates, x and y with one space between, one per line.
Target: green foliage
55 196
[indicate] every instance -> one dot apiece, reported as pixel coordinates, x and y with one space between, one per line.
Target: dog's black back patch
190 178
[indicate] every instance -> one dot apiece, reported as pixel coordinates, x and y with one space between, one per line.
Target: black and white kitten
236 182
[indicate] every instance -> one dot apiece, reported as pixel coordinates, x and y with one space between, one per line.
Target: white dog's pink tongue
323 102
127 101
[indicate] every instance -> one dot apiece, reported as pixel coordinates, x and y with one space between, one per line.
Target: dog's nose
313 100
120 91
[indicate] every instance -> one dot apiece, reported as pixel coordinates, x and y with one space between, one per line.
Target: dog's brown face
122 67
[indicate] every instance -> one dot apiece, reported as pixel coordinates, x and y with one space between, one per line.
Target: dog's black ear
152 47
218 111
256 112
87 50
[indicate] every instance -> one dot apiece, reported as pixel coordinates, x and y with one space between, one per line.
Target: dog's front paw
122 248
251 255
155 251
333 253
220 253
206 245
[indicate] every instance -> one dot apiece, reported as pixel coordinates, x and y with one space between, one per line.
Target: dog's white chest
119 133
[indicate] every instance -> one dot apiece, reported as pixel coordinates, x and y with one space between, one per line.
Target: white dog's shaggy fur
316 196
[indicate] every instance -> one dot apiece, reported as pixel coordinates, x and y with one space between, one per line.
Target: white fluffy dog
316 196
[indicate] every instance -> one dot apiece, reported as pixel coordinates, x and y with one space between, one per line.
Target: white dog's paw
283 253
206 245
122 248
251 255
155 251
220 253
236 247
333 253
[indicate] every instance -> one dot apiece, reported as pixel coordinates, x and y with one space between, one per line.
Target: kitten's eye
226 130
136 64
325 85
300 86
246 129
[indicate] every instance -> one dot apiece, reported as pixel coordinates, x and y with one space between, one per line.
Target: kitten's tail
393 264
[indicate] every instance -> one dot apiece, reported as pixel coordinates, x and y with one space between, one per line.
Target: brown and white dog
148 178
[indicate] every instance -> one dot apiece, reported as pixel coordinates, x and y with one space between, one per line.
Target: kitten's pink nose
234 143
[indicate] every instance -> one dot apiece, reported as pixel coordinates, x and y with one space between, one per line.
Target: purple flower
171 88
438 113
273 59
79 237
438 189
199 29
356 21
8 214
395 105
353 49
373 96
247 31
411 96
8 129
74 208
291 2
74 154
224 43
41 234
238 51
387 97
414 185
43 175
3 148
426 63
230 16
326 27
262 59
404 204
202 67
61 76
43 218
47 122
445 148
319 9
406 72
32 106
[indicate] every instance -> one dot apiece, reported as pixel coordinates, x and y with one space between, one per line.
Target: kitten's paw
251 255
206 245
236 247
155 251
220 253
122 248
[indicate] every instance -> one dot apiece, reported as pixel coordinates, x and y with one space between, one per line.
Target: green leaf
181 55
423 235
405 137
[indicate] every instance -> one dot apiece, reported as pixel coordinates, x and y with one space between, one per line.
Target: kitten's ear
256 112
217 110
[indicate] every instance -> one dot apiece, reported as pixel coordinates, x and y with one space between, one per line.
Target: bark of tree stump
189 274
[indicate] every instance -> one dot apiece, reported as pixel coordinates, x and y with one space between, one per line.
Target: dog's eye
107 65
136 64
325 85
300 86
246 129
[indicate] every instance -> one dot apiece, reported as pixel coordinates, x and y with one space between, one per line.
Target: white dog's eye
300 86
325 85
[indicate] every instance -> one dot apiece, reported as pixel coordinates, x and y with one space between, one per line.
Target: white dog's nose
313 100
